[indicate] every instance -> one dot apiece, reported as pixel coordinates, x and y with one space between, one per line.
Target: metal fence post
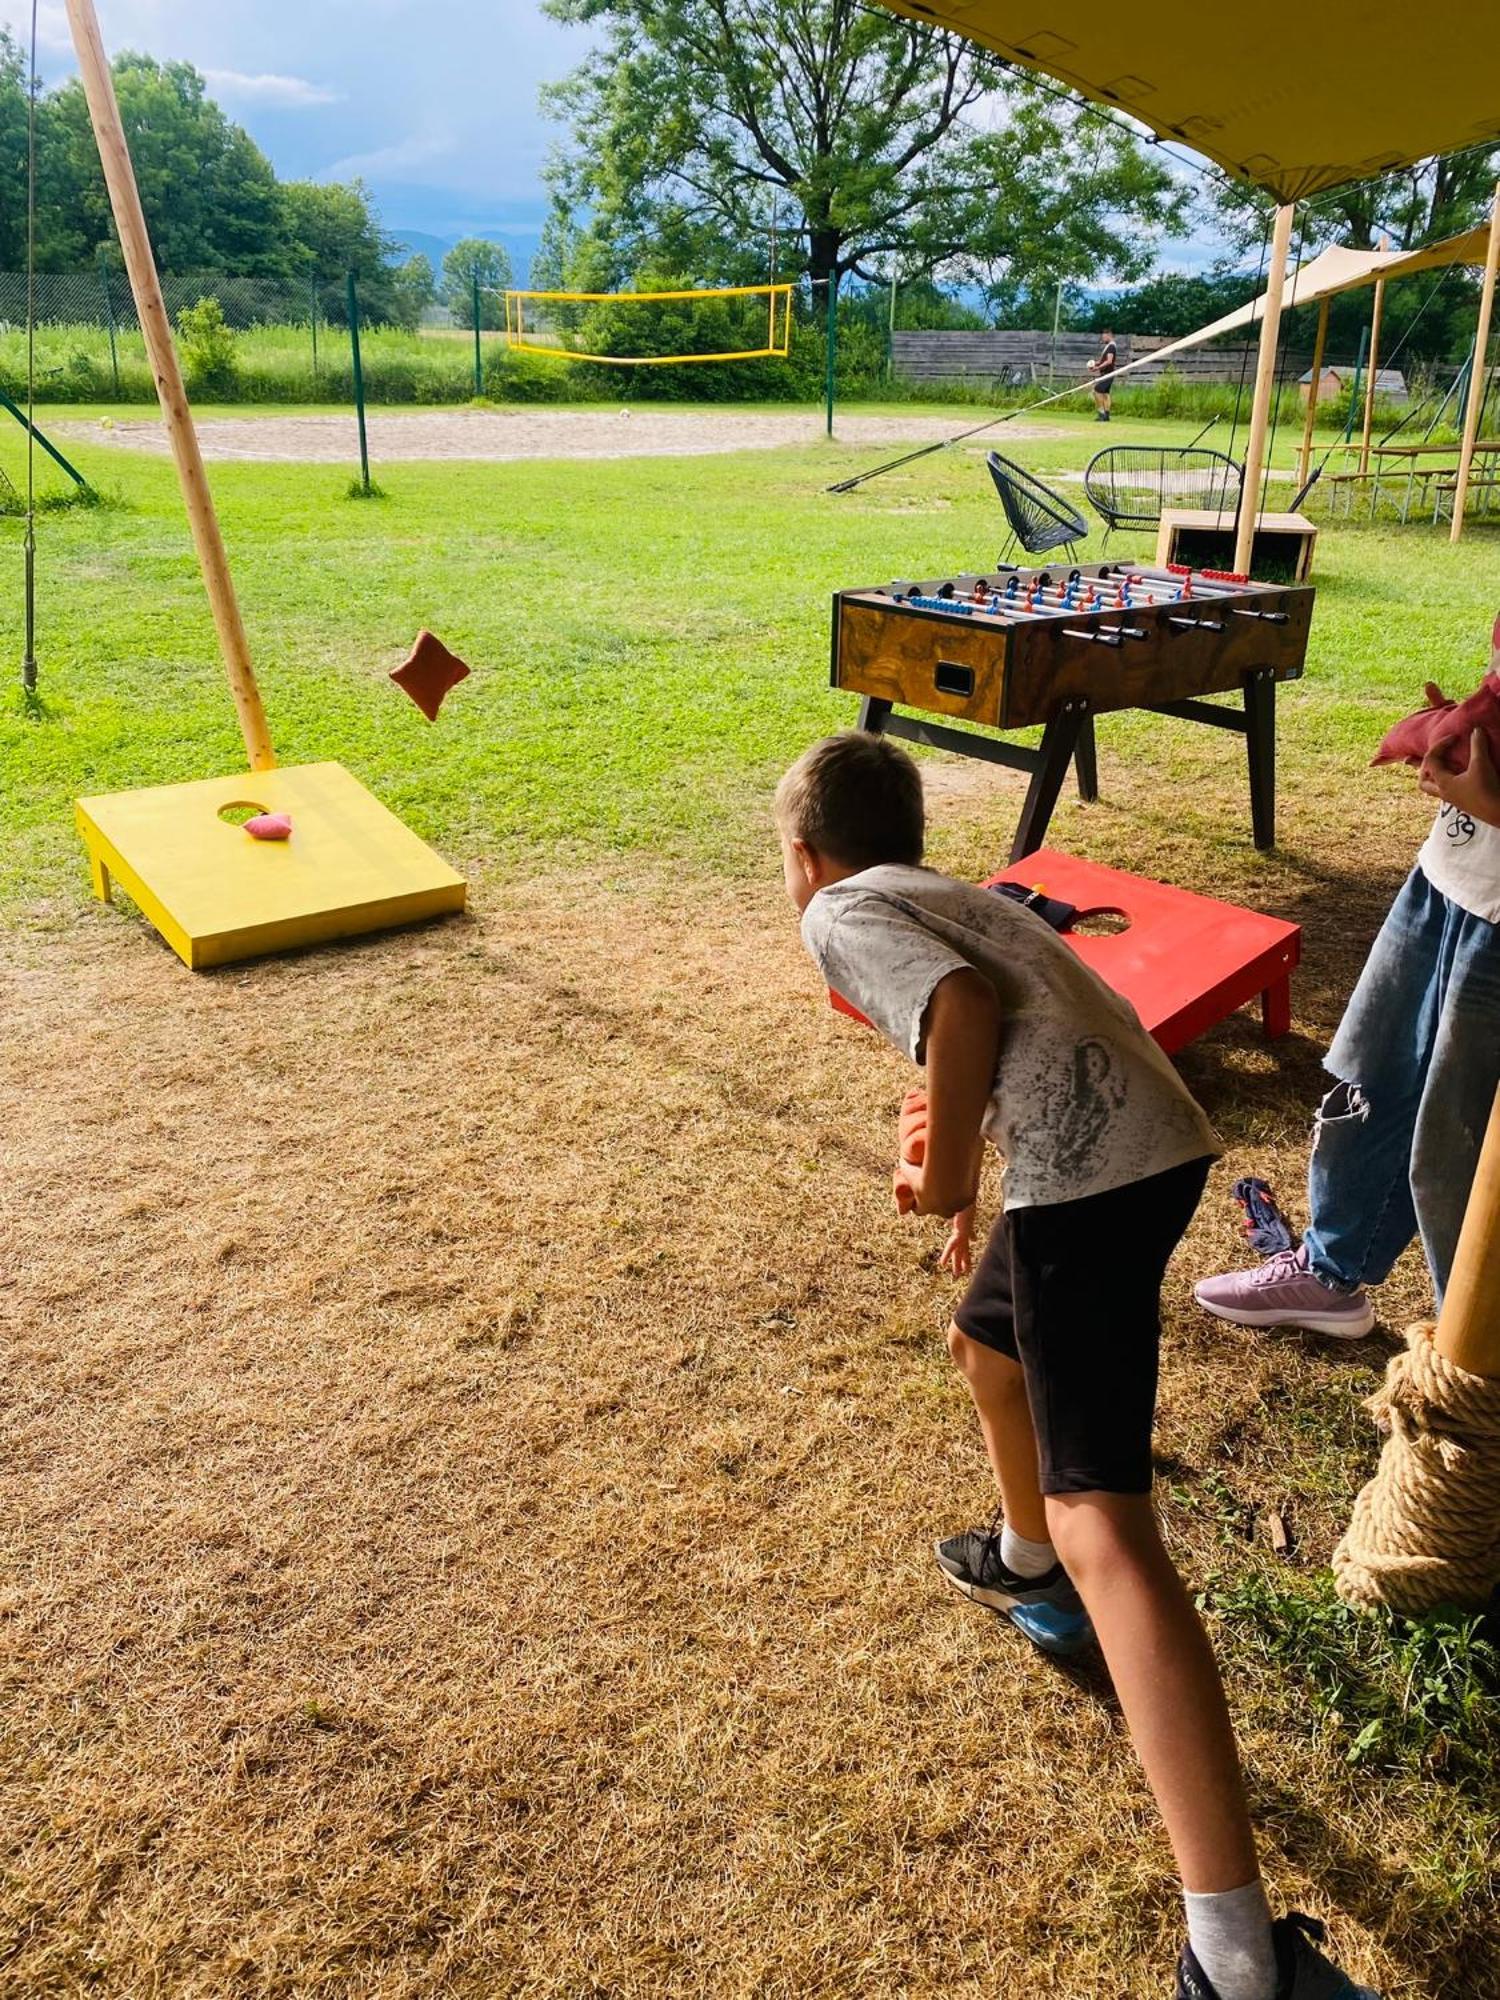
830 342
478 357
312 308
359 384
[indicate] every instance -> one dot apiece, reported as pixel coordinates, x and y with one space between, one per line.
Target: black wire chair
1128 485
1039 518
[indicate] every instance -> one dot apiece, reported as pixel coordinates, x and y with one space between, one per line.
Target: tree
334 230
472 258
1436 197
209 194
12 154
692 120
414 288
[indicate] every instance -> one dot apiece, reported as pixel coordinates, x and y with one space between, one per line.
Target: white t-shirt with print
1084 1100
1461 859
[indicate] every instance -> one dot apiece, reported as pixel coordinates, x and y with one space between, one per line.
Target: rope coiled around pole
1425 1531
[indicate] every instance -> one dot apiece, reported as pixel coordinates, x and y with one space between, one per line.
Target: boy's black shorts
1072 1291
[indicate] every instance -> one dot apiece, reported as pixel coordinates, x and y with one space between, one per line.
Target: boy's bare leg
999 1391
1165 1675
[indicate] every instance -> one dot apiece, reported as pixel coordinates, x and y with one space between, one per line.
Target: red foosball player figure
1058 1331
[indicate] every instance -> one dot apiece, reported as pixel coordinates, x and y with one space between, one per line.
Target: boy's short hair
856 798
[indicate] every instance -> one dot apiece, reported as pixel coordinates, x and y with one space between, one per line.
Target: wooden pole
1369 422
1319 349
125 200
1304 464
1477 374
1468 1328
1265 382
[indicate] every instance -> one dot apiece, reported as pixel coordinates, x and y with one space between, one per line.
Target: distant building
1390 384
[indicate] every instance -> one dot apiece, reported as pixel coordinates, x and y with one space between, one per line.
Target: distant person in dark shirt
1102 369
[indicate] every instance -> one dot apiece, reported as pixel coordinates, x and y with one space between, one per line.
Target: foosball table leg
1059 745
872 714
1086 757
1260 743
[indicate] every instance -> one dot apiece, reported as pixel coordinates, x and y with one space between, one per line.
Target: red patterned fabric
428 672
1412 738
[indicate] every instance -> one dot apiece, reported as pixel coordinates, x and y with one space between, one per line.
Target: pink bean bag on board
270 826
1412 738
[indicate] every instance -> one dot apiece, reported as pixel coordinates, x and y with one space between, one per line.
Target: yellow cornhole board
217 895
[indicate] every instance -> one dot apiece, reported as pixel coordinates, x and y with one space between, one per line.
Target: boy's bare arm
962 1047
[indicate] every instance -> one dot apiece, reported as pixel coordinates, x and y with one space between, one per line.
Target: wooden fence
1008 357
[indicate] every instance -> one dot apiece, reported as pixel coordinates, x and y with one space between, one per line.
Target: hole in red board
1100 923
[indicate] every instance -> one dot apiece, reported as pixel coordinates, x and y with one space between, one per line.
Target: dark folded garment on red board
1413 737
1051 909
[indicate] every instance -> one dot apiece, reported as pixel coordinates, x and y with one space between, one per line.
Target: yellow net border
778 324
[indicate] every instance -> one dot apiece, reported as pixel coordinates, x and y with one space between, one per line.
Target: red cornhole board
1184 962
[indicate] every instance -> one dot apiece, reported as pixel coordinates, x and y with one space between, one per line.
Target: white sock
1231 1938
1023 1558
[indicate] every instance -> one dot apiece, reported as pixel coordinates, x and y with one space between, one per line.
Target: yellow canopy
1288 95
1322 277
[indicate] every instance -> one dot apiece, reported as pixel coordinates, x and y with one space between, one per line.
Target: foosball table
1014 648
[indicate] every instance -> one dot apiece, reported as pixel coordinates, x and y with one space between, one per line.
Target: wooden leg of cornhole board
99 875
1276 1009
1086 757
1059 744
1260 744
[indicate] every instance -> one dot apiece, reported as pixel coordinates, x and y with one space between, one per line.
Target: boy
1102 368
1106 1156
1415 1064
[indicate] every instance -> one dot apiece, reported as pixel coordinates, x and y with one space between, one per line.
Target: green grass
649 637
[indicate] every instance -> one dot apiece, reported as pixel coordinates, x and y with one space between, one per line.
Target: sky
432 102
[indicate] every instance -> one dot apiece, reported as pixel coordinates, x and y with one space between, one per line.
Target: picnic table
1428 472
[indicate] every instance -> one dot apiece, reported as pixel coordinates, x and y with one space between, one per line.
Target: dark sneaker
1046 1608
1302 1972
1284 1292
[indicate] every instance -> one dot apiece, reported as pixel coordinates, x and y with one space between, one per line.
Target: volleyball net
653 329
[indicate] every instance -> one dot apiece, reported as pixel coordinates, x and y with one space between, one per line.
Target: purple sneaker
1284 1292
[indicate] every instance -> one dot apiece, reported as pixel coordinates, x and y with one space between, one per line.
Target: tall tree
209 193
12 154
467 260
886 145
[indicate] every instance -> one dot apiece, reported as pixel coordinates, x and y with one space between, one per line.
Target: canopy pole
1304 464
1477 374
125 200
1369 420
1265 380
1468 1328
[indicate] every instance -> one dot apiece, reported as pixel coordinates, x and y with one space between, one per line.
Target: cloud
392 161
286 92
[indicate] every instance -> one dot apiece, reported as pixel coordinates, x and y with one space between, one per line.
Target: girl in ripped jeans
1416 1062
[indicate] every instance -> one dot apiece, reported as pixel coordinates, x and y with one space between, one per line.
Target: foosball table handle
1270 617
1111 636
1197 624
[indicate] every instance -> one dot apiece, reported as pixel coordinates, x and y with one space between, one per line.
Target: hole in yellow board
238 811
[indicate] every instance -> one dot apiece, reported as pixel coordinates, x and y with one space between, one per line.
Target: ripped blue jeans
1416 1061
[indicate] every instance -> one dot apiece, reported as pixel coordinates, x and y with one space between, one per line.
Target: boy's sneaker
1046 1608
1284 1292
1302 1972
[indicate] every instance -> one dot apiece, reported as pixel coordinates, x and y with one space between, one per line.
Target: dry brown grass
474 1436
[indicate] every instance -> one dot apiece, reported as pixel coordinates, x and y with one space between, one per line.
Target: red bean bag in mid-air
1412 738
